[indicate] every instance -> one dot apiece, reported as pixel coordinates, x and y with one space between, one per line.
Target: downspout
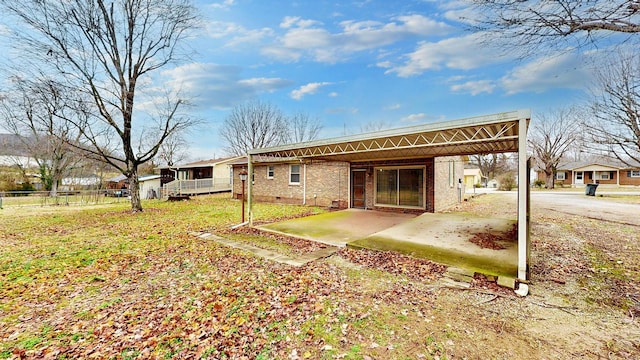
304 184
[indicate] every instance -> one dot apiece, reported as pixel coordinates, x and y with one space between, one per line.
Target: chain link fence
10 199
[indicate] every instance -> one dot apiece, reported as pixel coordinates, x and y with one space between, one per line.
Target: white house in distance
199 177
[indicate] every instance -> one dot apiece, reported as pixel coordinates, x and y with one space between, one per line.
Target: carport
495 133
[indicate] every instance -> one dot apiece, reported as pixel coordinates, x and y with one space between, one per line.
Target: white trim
271 169
292 173
634 173
424 186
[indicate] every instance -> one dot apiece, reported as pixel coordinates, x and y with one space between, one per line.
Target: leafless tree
551 136
253 125
491 165
532 26
375 126
616 107
173 150
303 128
29 110
109 50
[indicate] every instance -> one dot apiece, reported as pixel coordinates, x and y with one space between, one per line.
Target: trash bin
590 190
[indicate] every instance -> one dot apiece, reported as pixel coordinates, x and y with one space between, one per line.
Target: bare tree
107 50
375 126
303 128
551 136
616 107
29 110
173 150
253 125
537 25
490 165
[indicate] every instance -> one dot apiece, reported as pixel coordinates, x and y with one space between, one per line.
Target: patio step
457 277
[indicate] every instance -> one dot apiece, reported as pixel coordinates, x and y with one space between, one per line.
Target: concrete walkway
268 254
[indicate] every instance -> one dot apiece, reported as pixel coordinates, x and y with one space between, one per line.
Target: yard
98 281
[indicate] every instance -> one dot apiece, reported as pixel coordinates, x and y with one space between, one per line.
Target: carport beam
250 188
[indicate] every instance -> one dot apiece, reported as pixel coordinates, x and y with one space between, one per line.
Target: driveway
593 207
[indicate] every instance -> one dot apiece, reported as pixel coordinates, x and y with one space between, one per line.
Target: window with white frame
270 171
560 175
604 176
634 173
294 174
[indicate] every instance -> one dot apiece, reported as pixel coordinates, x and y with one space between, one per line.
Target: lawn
99 281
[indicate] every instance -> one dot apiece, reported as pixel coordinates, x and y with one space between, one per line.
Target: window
294 174
270 171
633 173
604 176
560 175
402 187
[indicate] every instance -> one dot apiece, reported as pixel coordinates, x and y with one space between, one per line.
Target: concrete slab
339 227
443 238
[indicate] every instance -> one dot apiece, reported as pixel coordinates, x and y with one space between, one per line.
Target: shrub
507 182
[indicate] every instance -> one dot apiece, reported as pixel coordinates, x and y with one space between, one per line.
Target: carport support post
523 187
250 188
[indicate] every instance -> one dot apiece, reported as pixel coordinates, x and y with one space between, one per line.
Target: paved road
588 206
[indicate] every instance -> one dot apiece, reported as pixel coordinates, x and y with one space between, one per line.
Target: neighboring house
81 182
599 172
473 176
199 177
417 185
117 183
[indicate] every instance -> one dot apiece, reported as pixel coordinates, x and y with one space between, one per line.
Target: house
417 168
80 182
416 185
603 172
473 176
199 177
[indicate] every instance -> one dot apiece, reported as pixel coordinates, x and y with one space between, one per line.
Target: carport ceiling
497 133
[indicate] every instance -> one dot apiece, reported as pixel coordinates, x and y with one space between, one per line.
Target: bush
539 183
507 182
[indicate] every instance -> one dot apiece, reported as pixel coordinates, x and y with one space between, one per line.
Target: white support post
523 223
250 188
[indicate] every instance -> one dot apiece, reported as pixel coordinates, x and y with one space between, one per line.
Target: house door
358 187
579 178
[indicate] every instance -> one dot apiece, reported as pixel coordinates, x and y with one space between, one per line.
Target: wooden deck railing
198 186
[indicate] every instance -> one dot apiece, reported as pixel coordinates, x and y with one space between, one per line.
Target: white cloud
308 38
310 88
333 94
462 53
222 5
236 34
563 71
392 107
414 118
219 86
475 87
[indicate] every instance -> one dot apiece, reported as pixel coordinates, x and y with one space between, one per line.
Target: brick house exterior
610 173
353 184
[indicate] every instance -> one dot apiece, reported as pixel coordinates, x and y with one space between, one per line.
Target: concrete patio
440 237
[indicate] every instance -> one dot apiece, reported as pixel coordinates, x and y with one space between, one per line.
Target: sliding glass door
400 187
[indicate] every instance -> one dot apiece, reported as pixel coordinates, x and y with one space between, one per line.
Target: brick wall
326 182
627 179
447 171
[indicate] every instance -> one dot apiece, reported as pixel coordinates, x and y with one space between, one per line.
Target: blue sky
351 63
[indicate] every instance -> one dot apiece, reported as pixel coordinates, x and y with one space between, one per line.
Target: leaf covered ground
100 282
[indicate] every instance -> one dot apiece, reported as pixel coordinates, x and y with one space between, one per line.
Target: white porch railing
198 186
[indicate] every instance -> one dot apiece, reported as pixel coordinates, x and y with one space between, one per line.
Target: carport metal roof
496 133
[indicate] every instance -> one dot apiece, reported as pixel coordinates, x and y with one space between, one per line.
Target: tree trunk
134 189
549 183
54 188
